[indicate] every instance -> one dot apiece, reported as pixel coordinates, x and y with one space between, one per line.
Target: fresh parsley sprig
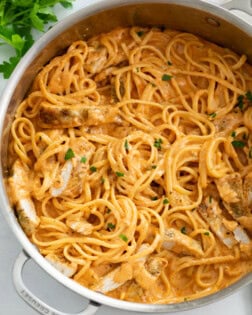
17 20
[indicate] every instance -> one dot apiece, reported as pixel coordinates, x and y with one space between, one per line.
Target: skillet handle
242 5
34 301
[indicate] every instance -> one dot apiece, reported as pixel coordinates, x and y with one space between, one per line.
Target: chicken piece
64 179
20 188
226 124
69 116
77 223
246 222
228 231
247 189
180 243
231 192
62 265
121 274
147 274
73 172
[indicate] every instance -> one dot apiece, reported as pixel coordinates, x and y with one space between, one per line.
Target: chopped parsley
123 237
126 145
240 102
119 174
154 198
157 143
108 210
206 233
83 159
69 154
110 226
233 134
169 63
238 144
93 169
140 33
102 180
249 96
210 199
212 115
166 77
137 69
183 230
165 201
153 166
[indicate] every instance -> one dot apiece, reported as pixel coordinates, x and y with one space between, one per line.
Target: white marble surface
56 295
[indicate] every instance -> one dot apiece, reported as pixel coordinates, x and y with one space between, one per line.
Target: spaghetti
131 163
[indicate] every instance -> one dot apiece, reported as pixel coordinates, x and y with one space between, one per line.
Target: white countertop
55 294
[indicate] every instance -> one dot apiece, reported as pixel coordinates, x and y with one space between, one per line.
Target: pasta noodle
131 165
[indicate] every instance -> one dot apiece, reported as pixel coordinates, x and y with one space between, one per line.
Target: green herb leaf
110 226
249 96
233 134
157 143
154 198
119 174
238 144
206 233
240 101
212 115
102 180
140 33
210 199
83 159
153 166
69 154
165 201
123 237
166 77
169 63
93 169
126 145
183 230
18 18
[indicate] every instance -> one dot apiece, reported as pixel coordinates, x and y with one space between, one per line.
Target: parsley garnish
140 33
123 237
212 115
169 63
18 19
157 143
206 233
110 226
249 96
126 145
240 100
119 174
83 159
69 154
210 199
233 134
153 166
154 198
102 180
165 201
166 77
238 144
93 169
183 230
